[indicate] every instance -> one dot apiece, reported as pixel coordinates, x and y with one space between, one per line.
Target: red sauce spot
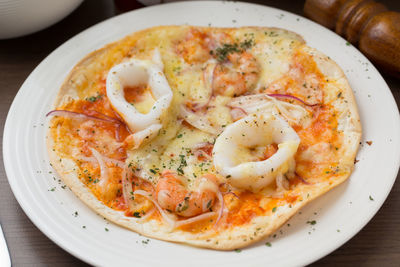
135 93
270 150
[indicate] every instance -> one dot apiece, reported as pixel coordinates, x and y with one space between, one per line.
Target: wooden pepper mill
364 23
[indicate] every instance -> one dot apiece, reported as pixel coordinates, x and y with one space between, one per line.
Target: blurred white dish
22 17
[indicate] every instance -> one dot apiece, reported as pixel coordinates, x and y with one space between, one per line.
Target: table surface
377 243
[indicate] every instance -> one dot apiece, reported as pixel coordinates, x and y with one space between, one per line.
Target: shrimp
173 196
238 75
194 48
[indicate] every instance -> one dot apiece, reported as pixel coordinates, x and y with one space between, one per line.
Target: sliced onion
197 120
105 117
208 75
88 159
117 135
230 192
195 107
167 218
127 190
222 203
252 103
281 183
116 162
265 103
208 78
82 116
238 113
302 179
195 219
294 98
78 115
147 215
106 160
103 169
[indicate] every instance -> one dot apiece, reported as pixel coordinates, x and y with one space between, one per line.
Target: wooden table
377 243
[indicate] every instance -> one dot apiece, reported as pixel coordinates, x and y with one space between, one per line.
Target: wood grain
364 23
377 244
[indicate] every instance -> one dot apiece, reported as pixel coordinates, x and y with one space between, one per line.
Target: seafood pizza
212 137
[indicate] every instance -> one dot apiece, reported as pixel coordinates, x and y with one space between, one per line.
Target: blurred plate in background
22 17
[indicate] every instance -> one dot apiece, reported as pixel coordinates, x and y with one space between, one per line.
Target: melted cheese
145 103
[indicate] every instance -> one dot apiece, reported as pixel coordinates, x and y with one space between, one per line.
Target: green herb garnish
222 52
94 98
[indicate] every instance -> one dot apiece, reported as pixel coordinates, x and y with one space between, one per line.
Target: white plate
339 214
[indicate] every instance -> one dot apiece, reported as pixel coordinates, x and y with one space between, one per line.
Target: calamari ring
249 132
138 72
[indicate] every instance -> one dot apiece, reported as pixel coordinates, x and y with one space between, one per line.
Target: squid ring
138 72
253 131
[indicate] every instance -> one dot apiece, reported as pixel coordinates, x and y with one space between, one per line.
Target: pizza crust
259 227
